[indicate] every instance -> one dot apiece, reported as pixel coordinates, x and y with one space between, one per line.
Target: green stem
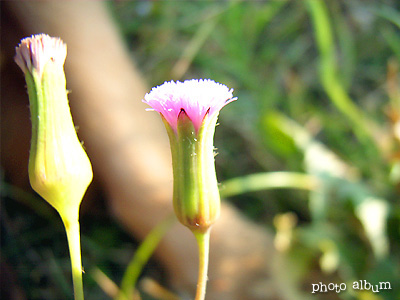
73 236
203 241
142 256
268 180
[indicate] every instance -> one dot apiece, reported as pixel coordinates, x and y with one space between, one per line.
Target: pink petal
194 96
34 52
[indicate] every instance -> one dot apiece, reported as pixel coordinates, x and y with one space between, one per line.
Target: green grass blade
389 13
141 257
268 180
329 74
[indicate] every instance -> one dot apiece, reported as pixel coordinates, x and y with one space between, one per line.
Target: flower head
190 110
59 169
195 97
34 52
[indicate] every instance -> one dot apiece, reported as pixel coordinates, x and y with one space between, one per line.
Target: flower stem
203 242
73 236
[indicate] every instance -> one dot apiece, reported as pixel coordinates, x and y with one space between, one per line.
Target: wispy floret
195 97
34 52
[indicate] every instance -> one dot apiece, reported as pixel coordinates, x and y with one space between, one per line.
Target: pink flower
34 52
196 98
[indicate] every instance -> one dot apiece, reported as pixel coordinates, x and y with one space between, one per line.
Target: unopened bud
59 169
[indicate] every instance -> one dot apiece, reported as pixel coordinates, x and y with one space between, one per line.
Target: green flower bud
190 110
59 169
196 197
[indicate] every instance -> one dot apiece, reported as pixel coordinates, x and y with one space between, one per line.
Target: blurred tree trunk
129 150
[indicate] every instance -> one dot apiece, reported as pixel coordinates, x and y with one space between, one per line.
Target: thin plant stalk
142 256
268 180
74 244
203 242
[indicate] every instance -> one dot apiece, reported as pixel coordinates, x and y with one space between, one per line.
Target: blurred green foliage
318 90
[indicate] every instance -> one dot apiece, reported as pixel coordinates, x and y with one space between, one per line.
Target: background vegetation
313 136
